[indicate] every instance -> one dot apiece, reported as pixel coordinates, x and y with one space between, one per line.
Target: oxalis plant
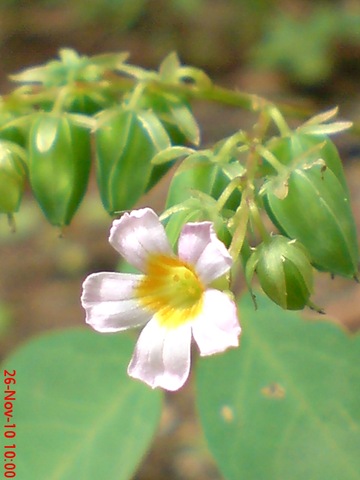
277 395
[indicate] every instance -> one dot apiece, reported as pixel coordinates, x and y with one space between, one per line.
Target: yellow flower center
171 289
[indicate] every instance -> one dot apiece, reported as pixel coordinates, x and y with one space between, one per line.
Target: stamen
171 289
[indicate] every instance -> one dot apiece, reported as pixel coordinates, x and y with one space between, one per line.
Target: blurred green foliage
305 41
285 404
308 47
96 423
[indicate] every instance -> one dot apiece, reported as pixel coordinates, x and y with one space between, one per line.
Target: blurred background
291 50
308 44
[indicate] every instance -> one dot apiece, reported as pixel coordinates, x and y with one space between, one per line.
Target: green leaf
77 413
285 404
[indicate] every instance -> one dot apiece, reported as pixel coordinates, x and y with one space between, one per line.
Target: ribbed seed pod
316 211
284 271
126 141
305 149
59 165
208 178
12 178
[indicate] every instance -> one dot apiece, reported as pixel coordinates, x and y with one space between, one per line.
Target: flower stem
136 95
270 157
229 189
257 220
240 219
279 120
60 99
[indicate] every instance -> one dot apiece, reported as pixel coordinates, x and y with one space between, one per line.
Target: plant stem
214 93
229 189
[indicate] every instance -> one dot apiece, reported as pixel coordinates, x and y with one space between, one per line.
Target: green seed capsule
304 149
206 177
13 134
59 165
12 178
85 104
316 211
159 104
209 179
197 210
284 271
124 150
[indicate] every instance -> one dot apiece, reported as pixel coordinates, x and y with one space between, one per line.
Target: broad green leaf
285 405
77 413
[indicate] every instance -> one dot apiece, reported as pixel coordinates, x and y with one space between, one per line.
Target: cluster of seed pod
308 201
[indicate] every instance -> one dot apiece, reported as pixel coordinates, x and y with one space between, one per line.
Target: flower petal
217 327
138 233
109 301
199 246
162 356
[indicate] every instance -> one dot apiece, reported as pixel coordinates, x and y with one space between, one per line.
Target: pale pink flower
172 297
